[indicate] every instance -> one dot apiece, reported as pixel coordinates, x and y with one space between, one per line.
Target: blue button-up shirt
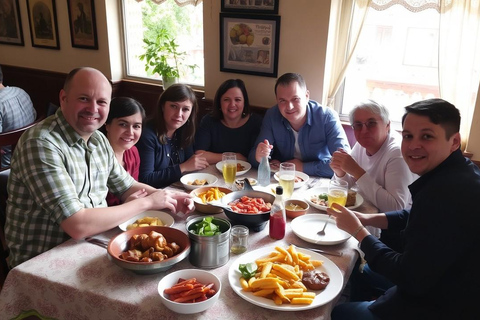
320 136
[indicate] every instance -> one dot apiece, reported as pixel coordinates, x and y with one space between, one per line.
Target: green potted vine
163 57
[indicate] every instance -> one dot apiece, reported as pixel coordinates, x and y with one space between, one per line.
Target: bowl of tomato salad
249 208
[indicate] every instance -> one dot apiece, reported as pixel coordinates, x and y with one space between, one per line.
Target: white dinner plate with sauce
322 296
165 217
306 227
315 192
299 175
246 166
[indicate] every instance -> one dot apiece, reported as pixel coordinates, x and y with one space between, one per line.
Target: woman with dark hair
123 129
166 144
230 127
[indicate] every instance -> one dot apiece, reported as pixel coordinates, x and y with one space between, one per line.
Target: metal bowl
256 222
118 244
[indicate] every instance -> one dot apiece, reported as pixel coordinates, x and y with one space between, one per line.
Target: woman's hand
194 163
342 163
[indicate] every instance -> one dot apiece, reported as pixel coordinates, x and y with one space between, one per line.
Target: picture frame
249 45
83 27
11 26
250 6
42 18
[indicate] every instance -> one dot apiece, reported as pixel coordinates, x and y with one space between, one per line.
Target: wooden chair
9 138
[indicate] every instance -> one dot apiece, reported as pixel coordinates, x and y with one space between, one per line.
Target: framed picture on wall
42 18
83 29
11 23
250 44
250 6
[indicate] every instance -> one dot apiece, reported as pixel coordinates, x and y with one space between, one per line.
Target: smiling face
424 144
85 102
176 114
371 138
123 133
292 102
232 103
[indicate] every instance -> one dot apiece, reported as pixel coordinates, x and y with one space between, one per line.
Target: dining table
77 280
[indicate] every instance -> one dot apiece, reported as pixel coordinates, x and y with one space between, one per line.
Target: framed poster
250 44
83 29
11 23
42 18
250 6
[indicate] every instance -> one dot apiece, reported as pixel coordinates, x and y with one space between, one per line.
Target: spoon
322 232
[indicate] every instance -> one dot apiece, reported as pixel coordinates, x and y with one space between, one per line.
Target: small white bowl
298 174
191 177
166 218
202 276
246 165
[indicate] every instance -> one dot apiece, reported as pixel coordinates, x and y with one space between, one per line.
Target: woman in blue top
166 144
230 127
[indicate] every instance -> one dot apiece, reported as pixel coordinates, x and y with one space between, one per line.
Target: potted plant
162 57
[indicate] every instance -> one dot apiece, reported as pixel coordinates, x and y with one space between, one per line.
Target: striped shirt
54 174
16 111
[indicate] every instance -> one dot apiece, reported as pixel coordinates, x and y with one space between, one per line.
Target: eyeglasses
357 126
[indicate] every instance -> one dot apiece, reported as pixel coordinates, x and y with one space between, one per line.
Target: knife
333 253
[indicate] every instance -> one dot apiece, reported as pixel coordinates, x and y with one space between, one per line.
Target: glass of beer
229 168
337 192
286 178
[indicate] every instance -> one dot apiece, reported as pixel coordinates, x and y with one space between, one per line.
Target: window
396 60
184 23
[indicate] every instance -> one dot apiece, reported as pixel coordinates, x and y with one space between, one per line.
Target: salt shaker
238 239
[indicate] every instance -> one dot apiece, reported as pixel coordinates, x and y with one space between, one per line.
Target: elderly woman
375 164
230 127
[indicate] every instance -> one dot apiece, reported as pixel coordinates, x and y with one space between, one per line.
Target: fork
311 183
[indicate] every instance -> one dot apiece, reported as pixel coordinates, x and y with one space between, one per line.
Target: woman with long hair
166 144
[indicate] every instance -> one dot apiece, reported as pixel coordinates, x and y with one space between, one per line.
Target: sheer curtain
181 3
459 57
346 23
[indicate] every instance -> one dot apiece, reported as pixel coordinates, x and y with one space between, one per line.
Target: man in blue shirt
299 130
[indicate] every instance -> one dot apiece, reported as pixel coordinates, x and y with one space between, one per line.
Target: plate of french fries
202 197
280 268
148 218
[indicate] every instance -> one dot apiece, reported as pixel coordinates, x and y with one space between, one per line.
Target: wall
303 39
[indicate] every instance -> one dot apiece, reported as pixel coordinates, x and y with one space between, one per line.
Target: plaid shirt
16 111
54 174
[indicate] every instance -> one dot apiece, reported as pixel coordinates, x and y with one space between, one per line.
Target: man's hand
172 200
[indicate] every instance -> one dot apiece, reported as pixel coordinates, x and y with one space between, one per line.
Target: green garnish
206 227
323 196
248 270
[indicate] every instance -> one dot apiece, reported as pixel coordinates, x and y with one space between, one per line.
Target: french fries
210 195
279 277
145 222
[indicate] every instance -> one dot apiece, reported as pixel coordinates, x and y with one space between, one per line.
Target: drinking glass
337 192
229 168
286 178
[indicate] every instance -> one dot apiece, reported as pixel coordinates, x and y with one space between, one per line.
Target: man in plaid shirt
62 170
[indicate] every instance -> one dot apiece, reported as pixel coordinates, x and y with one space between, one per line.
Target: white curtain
181 3
459 57
346 23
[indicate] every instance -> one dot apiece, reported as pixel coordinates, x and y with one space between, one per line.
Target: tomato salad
250 205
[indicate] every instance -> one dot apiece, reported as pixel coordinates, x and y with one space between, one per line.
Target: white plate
306 227
166 218
322 297
319 190
245 164
211 180
300 174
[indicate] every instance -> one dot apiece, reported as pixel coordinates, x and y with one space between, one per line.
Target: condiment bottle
278 219
264 172
238 239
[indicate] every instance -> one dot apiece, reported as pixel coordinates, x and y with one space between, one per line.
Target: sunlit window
184 24
396 61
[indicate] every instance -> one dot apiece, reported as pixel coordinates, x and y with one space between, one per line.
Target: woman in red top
123 129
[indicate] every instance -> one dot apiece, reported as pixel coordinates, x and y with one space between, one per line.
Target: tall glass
337 192
286 178
229 168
